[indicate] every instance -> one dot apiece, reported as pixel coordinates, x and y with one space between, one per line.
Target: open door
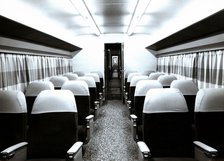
113 67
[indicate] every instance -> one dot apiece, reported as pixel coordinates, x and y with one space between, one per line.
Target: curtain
204 68
16 71
210 69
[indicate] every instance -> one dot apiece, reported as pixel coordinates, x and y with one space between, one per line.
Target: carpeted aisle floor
112 140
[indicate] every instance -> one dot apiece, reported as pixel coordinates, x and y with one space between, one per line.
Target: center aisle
112 139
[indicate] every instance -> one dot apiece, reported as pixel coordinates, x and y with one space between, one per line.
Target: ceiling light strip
82 8
140 9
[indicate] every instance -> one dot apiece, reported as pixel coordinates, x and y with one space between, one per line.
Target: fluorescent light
80 5
140 9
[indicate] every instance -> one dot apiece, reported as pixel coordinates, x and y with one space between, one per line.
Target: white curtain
206 69
16 71
210 73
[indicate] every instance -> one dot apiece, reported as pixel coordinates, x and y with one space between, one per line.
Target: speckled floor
112 139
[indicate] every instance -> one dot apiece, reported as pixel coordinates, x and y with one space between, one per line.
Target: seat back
71 76
13 118
166 124
189 91
166 80
92 88
130 76
33 89
97 82
58 81
126 75
154 76
79 73
209 118
53 125
81 93
101 79
139 97
132 87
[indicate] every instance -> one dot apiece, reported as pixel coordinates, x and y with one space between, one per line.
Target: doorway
113 68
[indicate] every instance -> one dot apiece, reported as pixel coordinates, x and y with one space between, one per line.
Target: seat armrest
203 151
90 117
144 152
129 105
134 126
89 127
97 105
15 152
101 98
75 152
125 97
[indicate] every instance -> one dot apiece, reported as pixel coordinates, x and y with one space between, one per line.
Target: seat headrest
89 80
34 88
187 87
144 85
79 73
94 75
71 76
137 78
98 72
148 72
49 101
131 75
78 87
164 100
128 72
12 102
166 80
210 100
58 81
154 76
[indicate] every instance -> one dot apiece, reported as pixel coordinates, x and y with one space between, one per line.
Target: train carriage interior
111 80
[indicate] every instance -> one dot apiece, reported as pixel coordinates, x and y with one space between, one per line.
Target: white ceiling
61 18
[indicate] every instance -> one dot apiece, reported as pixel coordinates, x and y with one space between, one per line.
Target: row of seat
166 115
167 130
45 107
52 130
135 77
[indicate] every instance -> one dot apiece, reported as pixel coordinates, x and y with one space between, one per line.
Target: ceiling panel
112 16
63 19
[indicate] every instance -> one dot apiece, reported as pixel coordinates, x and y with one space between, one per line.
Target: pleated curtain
204 68
16 71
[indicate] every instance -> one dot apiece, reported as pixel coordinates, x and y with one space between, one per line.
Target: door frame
107 65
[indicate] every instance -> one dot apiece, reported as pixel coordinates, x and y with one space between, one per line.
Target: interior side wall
22 62
201 60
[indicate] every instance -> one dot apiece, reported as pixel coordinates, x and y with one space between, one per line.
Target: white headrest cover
49 101
154 76
71 76
137 78
58 81
80 73
78 87
99 73
210 100
131 75
166 80
128 72
34 88
12 102
187 87
89 80
164 100
94 75
144 85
